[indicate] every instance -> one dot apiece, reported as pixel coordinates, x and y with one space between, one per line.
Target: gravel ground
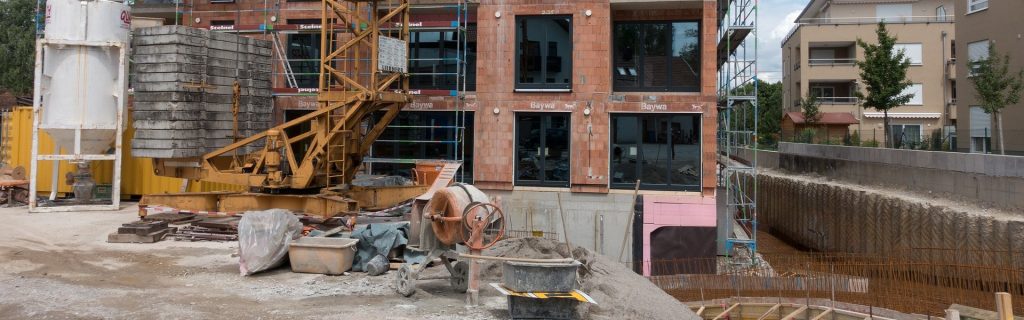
58 265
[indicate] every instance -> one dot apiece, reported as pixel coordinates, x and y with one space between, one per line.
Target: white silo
80 83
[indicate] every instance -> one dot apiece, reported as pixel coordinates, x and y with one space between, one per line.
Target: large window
421 135
976 5
435 57
917 90
542 149
911 51
304 58
661 150
976 51
543 53
657 56
905 135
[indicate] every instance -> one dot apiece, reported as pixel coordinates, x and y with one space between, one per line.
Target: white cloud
775 20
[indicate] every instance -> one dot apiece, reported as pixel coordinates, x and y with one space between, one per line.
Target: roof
826 118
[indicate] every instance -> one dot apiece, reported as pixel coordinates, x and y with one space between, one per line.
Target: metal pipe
480 257
56 172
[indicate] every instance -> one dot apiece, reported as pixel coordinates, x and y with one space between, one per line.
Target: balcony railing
831 62
837 100
866 20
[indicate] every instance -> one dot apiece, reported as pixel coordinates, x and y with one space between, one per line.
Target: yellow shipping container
137 176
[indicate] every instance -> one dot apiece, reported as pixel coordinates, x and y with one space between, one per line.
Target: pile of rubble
186 83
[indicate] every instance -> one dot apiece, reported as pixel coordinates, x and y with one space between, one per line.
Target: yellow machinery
363 71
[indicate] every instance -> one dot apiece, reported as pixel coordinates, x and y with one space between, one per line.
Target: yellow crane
363 70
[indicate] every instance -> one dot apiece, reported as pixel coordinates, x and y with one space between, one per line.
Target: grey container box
322 255
551 308
540 277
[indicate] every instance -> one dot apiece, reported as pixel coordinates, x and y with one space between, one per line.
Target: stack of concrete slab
183 80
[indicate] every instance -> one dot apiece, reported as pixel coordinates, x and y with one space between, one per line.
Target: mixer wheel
405 280
460 276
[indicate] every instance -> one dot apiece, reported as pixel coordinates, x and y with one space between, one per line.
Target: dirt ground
59 265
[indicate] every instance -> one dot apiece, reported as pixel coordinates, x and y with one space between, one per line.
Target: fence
908 137
923 281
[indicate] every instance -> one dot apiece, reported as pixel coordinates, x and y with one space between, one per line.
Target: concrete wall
594 221
839 217
990 180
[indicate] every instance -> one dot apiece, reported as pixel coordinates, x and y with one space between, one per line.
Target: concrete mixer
446 220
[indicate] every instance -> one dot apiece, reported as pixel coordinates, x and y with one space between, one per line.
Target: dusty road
58 266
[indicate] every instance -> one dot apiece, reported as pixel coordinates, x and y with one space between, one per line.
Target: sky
774 20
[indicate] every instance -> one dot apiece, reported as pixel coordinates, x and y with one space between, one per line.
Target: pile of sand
619 292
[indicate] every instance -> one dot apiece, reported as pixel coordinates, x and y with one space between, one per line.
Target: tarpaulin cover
379 239
264 237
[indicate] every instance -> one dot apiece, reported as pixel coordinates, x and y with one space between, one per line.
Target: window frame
545 124
544 87
671 186
469 60
972 3
971 61
642 56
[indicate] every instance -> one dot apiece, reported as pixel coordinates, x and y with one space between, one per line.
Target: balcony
866 20
832 62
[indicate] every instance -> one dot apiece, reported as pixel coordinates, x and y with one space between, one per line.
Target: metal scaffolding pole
738 117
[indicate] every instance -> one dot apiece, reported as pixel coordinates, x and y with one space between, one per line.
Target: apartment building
980 23
559 107
818 59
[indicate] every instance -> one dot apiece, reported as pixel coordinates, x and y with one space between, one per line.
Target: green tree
995 87
811 108
884 74
17 45
769 111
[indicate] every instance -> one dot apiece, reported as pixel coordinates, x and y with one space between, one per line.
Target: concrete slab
169 144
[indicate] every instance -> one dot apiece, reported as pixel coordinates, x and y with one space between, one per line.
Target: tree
995 87
811 108
884 75
769 111
17 45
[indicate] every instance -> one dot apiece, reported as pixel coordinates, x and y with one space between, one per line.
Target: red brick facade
592 55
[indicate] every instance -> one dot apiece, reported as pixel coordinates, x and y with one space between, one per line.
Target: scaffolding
737 128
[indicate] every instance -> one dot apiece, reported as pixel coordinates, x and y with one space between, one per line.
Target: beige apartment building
819 53
980 23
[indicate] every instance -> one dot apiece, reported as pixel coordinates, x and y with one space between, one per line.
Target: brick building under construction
560 107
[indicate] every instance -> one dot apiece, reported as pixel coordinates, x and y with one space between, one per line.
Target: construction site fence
937 139
922 281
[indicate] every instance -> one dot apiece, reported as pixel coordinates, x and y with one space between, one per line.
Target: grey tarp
379 239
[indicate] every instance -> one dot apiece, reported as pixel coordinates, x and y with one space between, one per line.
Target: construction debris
141 232
13 186
197 91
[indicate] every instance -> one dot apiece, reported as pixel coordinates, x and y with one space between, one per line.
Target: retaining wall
983 179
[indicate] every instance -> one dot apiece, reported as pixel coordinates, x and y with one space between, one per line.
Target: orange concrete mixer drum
464 214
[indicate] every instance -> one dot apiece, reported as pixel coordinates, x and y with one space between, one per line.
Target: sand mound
620 293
